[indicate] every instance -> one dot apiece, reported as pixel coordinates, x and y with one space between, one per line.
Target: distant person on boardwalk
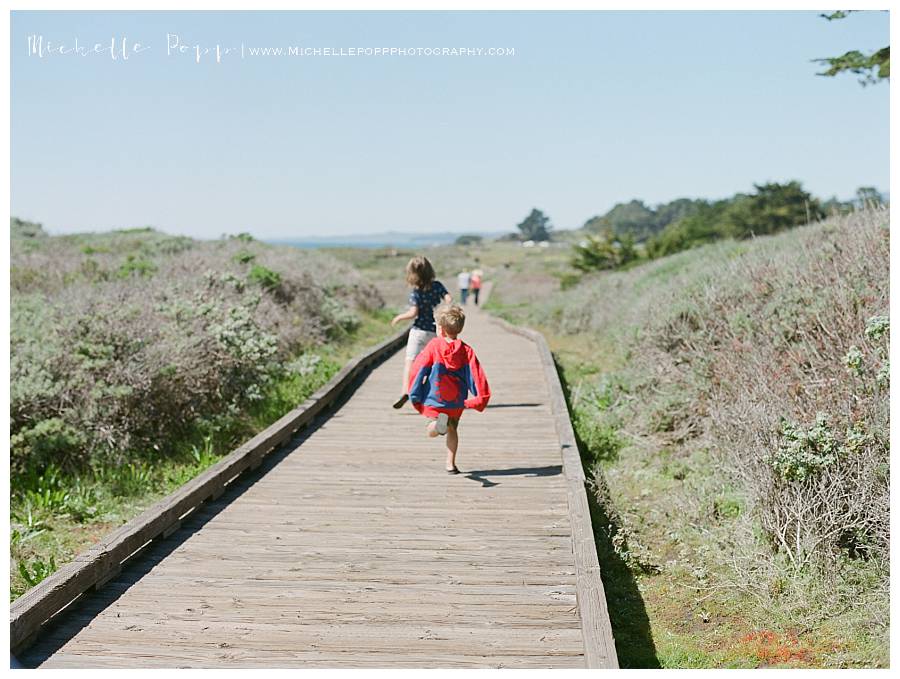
462 281
475 284
425 295
446 379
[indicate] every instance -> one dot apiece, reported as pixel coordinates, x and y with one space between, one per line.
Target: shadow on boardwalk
482 474
627 613
514 405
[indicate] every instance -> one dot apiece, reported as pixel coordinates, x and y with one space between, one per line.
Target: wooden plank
104 560
311 658
354 543
599 645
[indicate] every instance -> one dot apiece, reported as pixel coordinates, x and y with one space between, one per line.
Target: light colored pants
416 342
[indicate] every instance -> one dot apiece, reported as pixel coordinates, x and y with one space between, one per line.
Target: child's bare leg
431 429
406 366
452 445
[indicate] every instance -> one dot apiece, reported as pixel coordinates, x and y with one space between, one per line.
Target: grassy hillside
732 407
732 402
138 359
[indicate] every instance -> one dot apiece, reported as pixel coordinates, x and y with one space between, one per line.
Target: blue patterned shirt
425 301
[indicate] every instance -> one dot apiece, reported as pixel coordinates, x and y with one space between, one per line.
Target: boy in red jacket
447 378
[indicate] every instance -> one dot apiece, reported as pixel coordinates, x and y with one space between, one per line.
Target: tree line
633 230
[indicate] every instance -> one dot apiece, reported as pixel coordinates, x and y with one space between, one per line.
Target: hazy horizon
593 109
316 235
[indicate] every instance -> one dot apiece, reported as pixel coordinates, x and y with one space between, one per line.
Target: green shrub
803 452
244 257
136 266
125 480
600 439
605 250
469 239
36 571
727 506
854 360
109 365
51 441
877 327
264 277
21 229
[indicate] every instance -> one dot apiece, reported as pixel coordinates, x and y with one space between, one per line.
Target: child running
443 376
426 294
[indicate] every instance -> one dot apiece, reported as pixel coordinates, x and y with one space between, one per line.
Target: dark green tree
20 228
702 225
872 67
640 221
835 206
868 195
774 207
469 239
679 208
536 226
604 250
633 217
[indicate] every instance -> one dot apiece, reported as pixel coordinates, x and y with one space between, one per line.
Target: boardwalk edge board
98 564
599 645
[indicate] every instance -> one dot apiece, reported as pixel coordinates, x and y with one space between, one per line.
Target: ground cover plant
138 359
732 405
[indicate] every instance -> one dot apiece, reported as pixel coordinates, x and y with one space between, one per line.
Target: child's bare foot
432 430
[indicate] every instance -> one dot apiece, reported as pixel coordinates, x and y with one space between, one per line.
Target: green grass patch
55 515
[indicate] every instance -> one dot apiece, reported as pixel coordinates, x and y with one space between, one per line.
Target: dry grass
764 342
122 341
139 359
733 401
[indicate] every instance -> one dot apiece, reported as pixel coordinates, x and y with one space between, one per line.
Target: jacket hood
453 354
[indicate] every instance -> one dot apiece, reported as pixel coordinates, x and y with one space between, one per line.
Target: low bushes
789 352
122 342
733 400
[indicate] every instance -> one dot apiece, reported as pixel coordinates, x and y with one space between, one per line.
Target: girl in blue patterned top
426 294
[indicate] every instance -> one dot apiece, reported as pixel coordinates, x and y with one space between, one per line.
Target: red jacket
446 377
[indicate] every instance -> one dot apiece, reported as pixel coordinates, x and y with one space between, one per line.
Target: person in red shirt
475 284
445 379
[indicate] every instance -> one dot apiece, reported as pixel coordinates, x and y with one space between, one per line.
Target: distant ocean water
402 241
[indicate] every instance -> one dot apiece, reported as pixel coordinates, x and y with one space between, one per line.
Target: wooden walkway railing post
599 645
93 568
530 539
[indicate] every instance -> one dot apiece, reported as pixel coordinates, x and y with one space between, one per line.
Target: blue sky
594 108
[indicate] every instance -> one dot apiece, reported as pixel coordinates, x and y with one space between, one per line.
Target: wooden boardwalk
351 547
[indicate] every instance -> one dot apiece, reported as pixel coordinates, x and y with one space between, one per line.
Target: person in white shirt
462 280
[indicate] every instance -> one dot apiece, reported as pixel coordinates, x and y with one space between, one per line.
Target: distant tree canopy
772 208
469 239
639 221
19 228
611 241
873 67
536 226
866 196
701 226
605 250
